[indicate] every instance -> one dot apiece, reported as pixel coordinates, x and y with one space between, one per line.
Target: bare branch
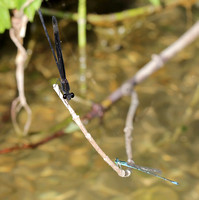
88 136
157 62
129 125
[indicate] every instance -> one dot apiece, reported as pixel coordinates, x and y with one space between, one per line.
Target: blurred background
165 134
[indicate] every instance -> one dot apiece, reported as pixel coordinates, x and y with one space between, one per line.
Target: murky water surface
165 132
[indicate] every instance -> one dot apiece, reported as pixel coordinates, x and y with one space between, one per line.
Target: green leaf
20 3
155 2
8 4
32 8
5 5
4 19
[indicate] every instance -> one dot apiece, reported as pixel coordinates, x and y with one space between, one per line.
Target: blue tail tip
175 182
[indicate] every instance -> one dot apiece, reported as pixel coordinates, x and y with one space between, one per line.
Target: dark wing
46 32
58 49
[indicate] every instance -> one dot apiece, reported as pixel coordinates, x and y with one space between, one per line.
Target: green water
68 167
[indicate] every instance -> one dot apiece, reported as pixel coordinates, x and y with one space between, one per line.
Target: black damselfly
59 58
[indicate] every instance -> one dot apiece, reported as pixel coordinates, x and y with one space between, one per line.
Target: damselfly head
116 161
68 96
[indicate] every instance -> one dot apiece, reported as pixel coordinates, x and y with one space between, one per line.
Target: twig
17 33
88 136
129 125
157 62
32 145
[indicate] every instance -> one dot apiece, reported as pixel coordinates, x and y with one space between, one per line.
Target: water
68 168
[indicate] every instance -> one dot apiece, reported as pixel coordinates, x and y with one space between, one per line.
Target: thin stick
88 136
32 145
129 125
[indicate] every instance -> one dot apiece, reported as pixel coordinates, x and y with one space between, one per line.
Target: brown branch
32 145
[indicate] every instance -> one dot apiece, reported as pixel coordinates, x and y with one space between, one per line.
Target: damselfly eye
65 96
72 95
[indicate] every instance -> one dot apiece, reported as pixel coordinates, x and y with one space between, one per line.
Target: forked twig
20 101
17 33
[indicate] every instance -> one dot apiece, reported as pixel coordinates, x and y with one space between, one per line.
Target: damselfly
142 169
59 58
